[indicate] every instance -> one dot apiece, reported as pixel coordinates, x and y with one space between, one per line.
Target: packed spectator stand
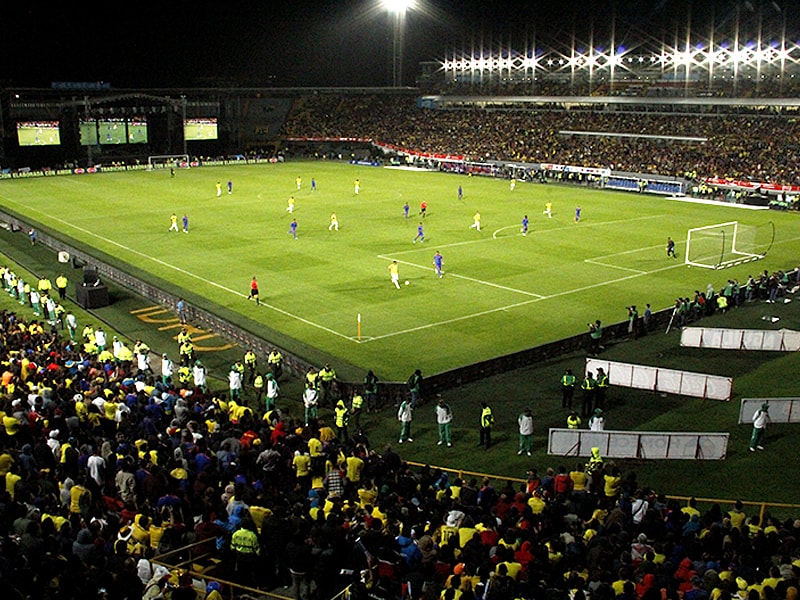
107 467
745 143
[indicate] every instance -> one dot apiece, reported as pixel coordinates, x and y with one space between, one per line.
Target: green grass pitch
501 291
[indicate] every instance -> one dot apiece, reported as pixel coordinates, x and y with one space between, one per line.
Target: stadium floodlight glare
398 6
398 10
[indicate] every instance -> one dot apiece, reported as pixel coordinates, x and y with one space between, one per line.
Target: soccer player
394 271
671 248
185 223
357 186
290 207
460 193
548 209
423 208
219 189
298 182
577 213
173 222
476 221
524 229
293 228
334 223
438 259
420 234
405 210
254 290
230 186
313 185
512 184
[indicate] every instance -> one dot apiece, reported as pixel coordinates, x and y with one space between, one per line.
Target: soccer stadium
519 323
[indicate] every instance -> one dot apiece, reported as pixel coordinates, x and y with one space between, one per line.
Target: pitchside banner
650 445
784 340
781 410
668 381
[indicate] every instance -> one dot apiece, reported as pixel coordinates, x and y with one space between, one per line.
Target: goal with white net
728 244
166 161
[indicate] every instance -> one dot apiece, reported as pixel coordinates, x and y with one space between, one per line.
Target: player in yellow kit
394 271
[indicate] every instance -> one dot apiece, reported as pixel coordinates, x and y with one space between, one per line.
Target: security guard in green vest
326 378
185 375
186 352
275 362
487 420
139 347
568 381
250 362
587 387
312 378
59 314
44 286
61 286
600 389
573 420
341 418
90 347
355 410
183 337
258 384
245 548
124 356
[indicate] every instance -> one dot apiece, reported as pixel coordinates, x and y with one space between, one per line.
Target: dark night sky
265 43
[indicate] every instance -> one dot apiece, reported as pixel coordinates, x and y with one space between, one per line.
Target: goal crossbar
725 251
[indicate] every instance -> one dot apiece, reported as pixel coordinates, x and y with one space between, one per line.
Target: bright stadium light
398 9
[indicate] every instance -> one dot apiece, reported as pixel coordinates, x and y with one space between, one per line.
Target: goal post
728 244
165 161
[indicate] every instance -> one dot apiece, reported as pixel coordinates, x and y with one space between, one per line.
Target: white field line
198 277
598 260
536 297
464 277
518 304
531 232
592 261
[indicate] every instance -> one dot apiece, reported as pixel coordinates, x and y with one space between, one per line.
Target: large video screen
88 130
200 129
38 133
137 131
112 131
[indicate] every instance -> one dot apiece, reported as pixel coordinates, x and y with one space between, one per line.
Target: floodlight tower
398 9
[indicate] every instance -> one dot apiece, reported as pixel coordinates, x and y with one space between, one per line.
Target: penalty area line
202 279
524 303
450 274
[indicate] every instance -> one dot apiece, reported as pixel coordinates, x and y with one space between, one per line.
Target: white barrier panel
781 410
783 340
670 381
651 445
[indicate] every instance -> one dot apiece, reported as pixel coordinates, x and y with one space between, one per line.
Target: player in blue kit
577 213
420 234
405 210
524 229
438 259
293 228
185 223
